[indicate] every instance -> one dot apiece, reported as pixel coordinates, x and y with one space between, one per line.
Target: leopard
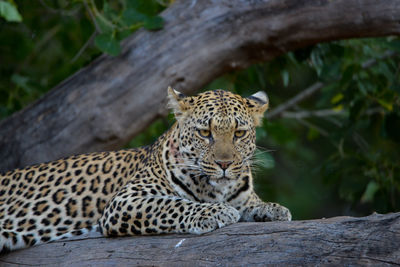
195 178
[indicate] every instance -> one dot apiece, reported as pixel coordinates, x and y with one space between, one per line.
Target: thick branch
339 241
105 104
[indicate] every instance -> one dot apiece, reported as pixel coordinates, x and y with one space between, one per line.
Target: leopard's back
58 199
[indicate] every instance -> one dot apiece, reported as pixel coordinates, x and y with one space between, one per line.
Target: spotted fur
195 178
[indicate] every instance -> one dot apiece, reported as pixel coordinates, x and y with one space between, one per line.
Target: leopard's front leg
136 211
253 209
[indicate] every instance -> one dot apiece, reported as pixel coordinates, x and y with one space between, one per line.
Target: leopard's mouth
213 173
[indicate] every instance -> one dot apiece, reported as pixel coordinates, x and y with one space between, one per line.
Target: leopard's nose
223 164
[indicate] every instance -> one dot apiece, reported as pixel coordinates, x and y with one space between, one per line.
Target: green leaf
395 45
121 35
21 81
387 105
330 72
348 73
108 44
131 17
384 69
154 23
147 7
285 78
337 98
108 12
312 134
369 192
104 27
362 87
9 12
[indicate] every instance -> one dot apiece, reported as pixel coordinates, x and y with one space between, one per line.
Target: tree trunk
339 241
104 105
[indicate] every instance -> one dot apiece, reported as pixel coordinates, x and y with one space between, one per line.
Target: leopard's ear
257 104
178 102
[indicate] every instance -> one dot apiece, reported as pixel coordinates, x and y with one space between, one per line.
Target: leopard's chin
224 177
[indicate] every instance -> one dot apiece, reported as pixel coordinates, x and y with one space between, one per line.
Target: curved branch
104 105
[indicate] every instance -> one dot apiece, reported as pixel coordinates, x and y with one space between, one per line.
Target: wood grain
338 241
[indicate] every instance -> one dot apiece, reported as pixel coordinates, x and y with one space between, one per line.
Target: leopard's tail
13 240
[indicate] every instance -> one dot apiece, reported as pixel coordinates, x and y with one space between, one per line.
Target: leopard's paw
213 217
268 212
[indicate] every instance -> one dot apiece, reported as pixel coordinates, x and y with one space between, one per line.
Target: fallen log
338 241
104 105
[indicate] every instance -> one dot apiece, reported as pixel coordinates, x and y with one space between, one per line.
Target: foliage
119 19
334 153
56 40
360 143
9 12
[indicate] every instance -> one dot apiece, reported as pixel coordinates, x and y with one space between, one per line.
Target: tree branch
294 100
107 103
339 241
83 48
311 113
369 63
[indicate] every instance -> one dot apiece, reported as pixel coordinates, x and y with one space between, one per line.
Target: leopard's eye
240 133
204 133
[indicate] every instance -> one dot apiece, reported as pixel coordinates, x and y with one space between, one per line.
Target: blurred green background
335 152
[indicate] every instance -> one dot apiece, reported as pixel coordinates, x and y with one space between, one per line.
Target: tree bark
339 241
104 105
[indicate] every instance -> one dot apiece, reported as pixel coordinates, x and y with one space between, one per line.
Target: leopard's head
217 130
